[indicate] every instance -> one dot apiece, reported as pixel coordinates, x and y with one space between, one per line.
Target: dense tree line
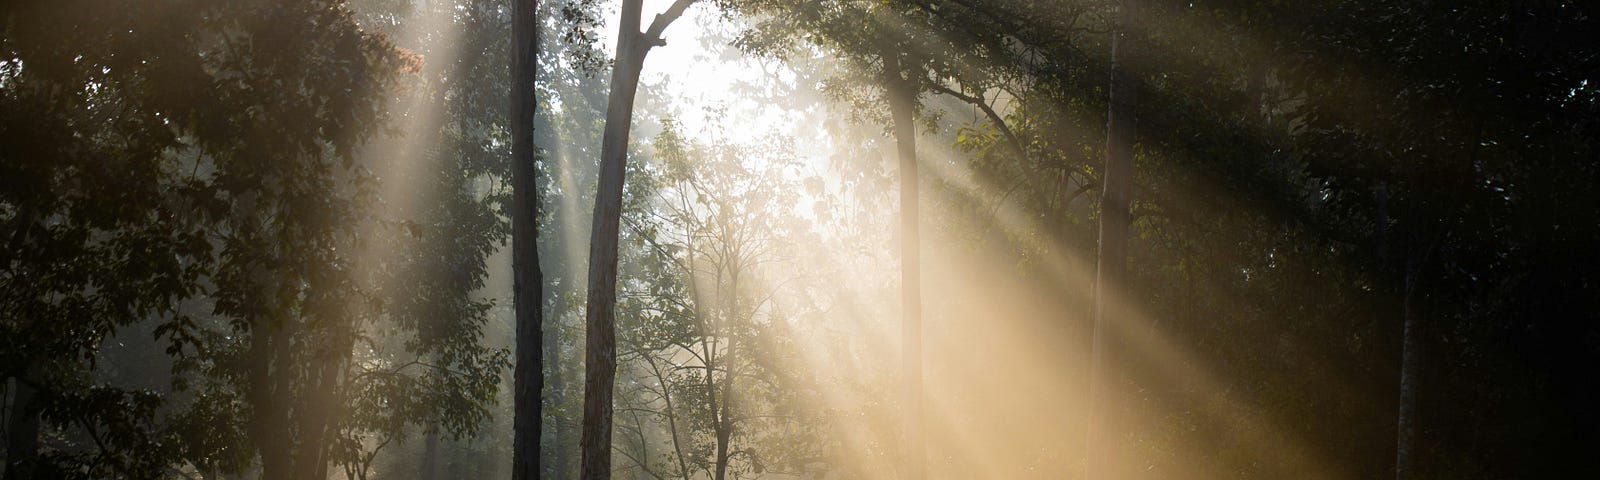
1259 239
201 173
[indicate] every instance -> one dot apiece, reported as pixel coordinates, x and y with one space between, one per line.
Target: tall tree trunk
724 426
733 321
1411 336
430 455
557 453
268 397
600 353
22 430
1410 372
1111 273
528 284
708 352
902 97
315 411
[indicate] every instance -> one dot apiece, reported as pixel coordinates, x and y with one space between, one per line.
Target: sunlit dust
1144 240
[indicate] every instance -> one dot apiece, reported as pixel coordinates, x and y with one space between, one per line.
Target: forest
799 239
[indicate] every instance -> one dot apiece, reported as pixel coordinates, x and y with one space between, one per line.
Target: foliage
719 386
202 164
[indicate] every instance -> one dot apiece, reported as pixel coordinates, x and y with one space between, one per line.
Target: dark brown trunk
527 289
722 447
600 356
267 359
600 352
22 430
1410 372
315 412
1111 273
269 426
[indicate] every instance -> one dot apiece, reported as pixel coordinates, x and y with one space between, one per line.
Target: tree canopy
1315 239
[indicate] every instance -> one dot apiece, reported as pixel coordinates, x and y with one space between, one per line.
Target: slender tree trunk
902 97
734 319
724 429
557 453
22 431
709 353
671 414
430 455
528 285
1411 328
1111 273
1410 372
600 353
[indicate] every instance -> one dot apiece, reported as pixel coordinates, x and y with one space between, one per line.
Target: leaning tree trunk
1111 273
527 289
600 354
902 96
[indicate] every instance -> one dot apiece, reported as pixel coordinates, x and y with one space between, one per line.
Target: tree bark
269 403
1410 373
902 97
724 426
558 456
600 353
528 285
1412 333
733 320
22 430
707 350
1111 273
316 411
430 455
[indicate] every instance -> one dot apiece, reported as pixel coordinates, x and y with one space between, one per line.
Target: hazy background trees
267 239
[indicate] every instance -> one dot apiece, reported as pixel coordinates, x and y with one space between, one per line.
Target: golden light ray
1174 365
1006 359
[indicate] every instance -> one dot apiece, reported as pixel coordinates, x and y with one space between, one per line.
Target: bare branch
652 36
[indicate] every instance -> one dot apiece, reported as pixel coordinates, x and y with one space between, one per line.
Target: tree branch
652 35
994 117
636 461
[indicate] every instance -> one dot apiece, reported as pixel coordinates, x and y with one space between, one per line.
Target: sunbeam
799 239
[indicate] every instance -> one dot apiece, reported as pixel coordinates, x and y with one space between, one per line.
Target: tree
708 348
600 353
529 287
1111 273
211 132
265 278
89 213
901 93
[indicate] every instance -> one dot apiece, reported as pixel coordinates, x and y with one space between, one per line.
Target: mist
851 240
